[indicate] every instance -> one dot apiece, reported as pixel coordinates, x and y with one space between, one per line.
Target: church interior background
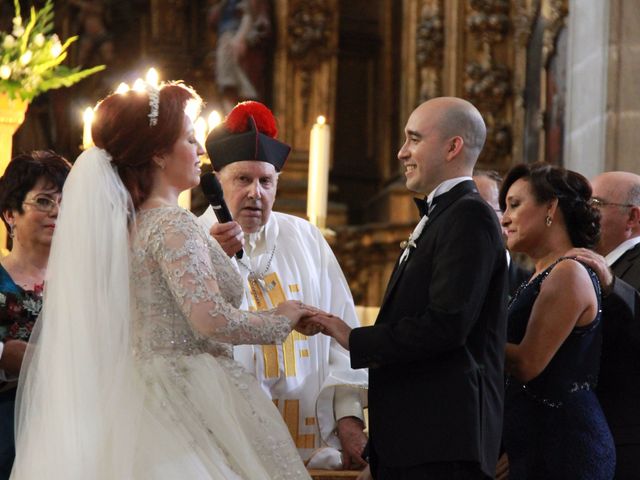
556 80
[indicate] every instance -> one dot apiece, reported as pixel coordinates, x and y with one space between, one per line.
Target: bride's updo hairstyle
132 130
573 192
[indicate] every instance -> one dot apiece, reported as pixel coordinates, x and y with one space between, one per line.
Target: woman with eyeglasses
554 427
30 191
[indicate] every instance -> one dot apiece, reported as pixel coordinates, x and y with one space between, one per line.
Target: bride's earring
160 163
548 220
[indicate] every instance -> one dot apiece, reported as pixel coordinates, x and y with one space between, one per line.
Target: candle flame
214 119
139 85
122 88
192 109
152 77
200 128
321 120
87 115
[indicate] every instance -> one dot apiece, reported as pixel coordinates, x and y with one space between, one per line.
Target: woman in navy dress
554 427
29 199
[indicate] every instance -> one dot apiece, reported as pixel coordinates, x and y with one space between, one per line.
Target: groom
436 352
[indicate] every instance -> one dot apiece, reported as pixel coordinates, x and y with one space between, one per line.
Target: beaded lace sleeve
180 248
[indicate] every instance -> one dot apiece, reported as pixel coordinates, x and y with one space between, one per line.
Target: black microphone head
211 186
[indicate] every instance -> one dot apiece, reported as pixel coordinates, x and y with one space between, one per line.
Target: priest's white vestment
308 378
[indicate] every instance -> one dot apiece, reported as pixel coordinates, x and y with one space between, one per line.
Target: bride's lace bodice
186 291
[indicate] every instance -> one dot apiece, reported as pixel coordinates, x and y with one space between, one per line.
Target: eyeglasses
43 204
598 203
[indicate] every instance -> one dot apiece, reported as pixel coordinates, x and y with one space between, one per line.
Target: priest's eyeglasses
43 203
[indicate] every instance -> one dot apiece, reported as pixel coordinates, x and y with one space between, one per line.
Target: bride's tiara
153 93
154 104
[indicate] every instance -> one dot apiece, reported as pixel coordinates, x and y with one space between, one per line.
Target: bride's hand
295 310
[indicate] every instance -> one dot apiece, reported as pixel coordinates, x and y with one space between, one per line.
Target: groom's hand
335 327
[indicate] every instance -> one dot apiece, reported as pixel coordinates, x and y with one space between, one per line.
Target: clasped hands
309 321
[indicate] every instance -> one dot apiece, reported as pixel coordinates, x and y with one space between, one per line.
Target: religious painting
556 100
545 85
244 39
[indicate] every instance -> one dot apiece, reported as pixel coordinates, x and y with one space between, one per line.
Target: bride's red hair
121 127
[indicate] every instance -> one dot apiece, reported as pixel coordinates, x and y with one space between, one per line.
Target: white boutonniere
410 242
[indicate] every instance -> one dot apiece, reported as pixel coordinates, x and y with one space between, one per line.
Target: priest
286 258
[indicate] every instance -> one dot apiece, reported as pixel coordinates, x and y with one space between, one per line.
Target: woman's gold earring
548 220
11 232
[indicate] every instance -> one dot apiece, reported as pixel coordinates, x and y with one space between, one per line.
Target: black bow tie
423 206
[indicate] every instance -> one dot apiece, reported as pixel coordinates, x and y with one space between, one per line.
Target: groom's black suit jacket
619 381
436 352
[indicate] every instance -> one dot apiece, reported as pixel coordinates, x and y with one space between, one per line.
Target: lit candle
139 86
87 117
152 77
214 119
184 199
317 195
122 88
200 129
192 110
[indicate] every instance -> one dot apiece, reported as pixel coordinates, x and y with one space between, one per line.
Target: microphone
213 192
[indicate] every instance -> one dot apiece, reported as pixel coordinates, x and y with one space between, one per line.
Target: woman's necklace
258 277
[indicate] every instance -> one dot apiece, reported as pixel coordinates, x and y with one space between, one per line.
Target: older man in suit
617 196
436 352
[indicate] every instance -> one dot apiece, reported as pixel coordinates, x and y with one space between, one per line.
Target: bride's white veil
78 389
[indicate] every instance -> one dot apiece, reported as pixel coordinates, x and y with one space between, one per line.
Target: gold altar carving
305 72
11 117
429 50
367 255
476 49
312 40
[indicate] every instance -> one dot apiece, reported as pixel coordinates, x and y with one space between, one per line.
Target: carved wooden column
305 69
423 43
487 75
305 73
172 35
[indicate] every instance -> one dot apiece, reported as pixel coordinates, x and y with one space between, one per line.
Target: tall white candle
214 119
87 118
200 130
317 195
184 199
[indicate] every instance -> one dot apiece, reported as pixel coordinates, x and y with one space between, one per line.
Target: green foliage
31 56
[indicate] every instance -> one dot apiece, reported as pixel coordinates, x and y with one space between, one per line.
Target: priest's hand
334 327
502 469
353 440
229 235
12 356
597 263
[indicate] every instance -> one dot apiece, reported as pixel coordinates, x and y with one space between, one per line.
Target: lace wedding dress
139 383
202 407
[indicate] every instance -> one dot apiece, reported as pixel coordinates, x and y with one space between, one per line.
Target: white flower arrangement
31 56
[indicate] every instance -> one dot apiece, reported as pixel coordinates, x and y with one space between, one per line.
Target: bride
130 373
